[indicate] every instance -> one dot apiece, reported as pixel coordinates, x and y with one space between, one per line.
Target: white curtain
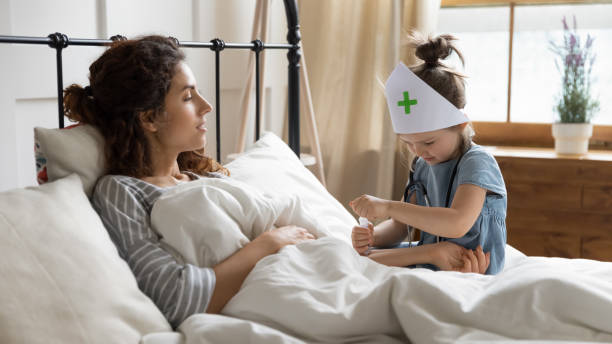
351 46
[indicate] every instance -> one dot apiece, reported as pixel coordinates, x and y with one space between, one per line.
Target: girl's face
183 127
434 146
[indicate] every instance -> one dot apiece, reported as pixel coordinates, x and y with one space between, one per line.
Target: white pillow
271 167
78 149
62 278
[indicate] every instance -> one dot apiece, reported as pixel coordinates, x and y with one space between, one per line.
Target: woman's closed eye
429 143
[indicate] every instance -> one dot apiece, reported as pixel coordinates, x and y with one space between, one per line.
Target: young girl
456 192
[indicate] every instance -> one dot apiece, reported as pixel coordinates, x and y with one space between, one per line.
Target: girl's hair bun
446 80
431 50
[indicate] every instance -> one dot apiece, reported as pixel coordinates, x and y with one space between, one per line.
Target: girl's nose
418 151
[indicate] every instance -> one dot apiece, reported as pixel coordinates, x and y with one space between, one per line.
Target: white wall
8 156
28 82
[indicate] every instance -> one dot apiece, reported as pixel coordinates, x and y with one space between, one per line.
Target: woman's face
183 127
434 146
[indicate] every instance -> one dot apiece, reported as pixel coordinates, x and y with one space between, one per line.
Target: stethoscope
414 186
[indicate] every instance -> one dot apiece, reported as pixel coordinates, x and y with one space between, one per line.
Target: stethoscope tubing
412 184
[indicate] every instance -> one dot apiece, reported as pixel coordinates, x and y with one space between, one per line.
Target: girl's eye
188 97
429 143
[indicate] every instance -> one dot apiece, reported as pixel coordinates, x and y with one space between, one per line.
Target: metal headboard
59 41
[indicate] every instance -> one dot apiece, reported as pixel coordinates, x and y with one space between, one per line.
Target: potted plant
575 105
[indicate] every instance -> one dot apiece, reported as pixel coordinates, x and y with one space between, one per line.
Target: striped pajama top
178 289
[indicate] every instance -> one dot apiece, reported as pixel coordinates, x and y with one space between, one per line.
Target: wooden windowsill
546 153
462 3
532 135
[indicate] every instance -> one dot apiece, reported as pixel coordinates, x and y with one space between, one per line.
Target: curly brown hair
131 77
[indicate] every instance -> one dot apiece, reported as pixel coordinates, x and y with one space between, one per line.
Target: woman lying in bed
144 100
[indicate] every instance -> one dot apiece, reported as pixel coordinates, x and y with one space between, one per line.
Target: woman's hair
131 77
447 81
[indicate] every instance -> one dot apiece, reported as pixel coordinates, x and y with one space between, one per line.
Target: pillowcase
62 278
271 167
76 149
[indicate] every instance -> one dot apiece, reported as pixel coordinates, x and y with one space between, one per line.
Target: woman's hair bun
78 104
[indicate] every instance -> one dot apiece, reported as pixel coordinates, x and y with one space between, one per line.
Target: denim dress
477 167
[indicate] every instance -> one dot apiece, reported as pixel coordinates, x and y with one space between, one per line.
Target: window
534 74
492 33
484 45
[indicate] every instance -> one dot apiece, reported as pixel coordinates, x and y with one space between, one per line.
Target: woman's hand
231 272
362 238
476 261
287 235
452 257
370 207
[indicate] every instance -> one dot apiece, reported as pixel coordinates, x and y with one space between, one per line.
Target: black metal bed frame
59 41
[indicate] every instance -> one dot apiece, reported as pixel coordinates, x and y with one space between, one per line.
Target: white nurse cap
415 107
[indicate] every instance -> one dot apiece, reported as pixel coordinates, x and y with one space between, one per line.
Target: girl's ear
147 121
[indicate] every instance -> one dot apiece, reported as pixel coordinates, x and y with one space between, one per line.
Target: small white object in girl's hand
363 222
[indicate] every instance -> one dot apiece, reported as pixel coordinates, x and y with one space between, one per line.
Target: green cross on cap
407 102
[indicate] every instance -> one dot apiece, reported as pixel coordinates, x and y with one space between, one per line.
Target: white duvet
323 291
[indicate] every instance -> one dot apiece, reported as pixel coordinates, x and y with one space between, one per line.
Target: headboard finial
58 40
218 44
117 38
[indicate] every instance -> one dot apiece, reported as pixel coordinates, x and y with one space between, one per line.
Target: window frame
517 133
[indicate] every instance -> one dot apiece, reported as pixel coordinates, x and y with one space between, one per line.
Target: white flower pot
572 138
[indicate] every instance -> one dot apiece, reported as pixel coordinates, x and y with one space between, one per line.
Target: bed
63 281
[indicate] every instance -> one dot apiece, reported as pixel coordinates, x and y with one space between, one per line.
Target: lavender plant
575 62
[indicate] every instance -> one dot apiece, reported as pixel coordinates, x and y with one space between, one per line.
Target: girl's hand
370 207
362 238
452 257
287 235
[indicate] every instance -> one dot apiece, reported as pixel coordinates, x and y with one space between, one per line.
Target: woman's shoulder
108 182
113 179
121 182
124 187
